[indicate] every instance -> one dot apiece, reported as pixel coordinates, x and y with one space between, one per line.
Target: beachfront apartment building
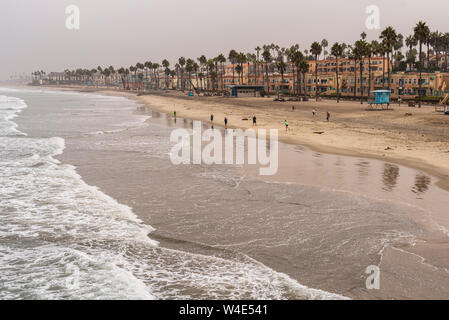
354 79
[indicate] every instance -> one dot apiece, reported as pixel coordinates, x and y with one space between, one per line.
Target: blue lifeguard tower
381 98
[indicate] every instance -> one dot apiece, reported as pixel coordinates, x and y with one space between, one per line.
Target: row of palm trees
390 45
209 73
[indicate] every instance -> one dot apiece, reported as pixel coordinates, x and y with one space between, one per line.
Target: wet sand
322 229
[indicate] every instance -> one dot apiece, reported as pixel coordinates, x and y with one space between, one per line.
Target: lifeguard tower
381 98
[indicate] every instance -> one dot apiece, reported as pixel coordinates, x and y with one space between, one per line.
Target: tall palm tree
397 46
267 58
156 67
304 68
189 70
295 57
421 34
256 74
316 49
196 68
122 73
351 53
140 66
203 61
389 38
239 70
337 51
251 58
241 59
359 53
166 65
232 57
445 44
148 65
182 63
411 42
210 65
221 59
428 42
436 40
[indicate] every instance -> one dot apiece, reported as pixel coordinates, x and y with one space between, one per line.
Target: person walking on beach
286 125
314 112
254 121
226 122
212 118
174 114
328 116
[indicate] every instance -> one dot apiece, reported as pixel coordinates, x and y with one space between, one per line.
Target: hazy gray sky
121 33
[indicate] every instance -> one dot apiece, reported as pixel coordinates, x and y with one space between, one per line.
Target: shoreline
184 108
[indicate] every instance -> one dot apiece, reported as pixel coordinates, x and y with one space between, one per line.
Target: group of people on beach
226 121
314 113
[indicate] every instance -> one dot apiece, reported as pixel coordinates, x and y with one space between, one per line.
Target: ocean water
61 238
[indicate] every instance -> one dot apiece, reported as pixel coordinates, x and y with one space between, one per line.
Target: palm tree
251 57
337 51
210 65
196 68
232 57
267 58
316 49
397 46
203 61
166 65
239 70
182 62
369 53
389 38
201 77
295 57
121 72
359 53
411 42
281 66
241 59
438 45
256 74
221 59
421 34
428 42
351 53
140 66
445 44
304 68
156 67
189 70
148 65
